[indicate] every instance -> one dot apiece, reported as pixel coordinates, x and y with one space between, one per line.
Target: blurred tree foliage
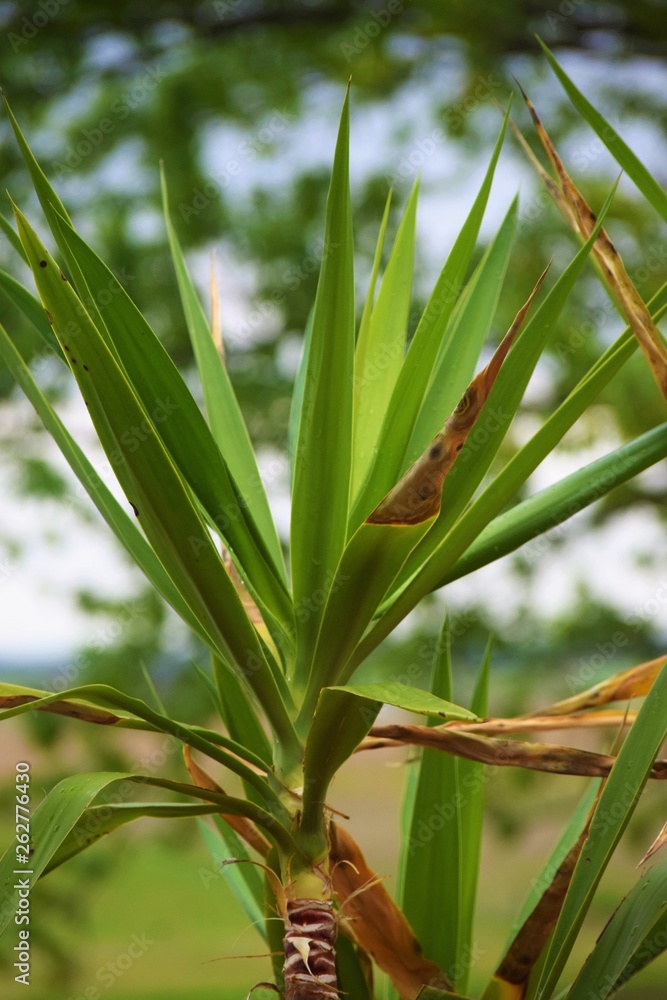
238 96
107 90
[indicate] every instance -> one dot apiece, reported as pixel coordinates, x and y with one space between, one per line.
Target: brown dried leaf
418 494
375 922
544 723
245 828
659 841
73 709
548 757
527 946
633 683
582 220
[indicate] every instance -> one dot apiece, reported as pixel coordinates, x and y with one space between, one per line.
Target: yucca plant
395 493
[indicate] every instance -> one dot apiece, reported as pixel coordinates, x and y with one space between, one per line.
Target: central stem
310 936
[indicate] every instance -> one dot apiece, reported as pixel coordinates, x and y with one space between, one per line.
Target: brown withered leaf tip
633 683
418 494
659 842
216 316
582 220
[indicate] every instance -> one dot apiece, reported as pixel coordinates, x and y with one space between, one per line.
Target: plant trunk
310 937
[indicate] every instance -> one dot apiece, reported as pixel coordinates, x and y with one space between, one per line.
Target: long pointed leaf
472 782
381 345
112 512
227 752
632 166
433 556
98 821
343 717
323 459
431 890
32 310
50 824
243 879
151 483
470 326
555 504
425 346
227 423
632 934
176 418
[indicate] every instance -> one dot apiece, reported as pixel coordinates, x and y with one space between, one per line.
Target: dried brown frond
375 922
633 683
549 757
418 494
73 709
582 220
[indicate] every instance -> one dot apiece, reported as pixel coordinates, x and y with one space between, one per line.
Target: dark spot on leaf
73 361
49 316
435 452
459 446
85 368
63 276
65 347
135 509
42 263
